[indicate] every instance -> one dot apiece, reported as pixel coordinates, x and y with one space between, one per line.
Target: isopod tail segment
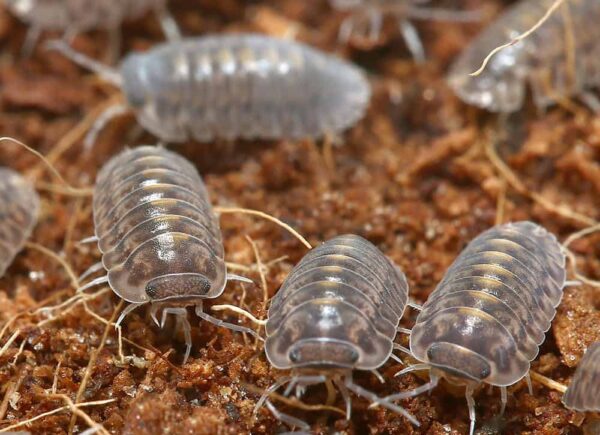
180 313
404 13
342 379
106 73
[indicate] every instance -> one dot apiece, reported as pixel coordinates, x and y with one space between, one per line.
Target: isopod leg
93 283
91 270
402 349
375 399
413 368
31 39
105 117
404 330
279 383
412 40
181 316
471 405
126 311
227 325
591 100
286 418
168 23
503 399
346 396
529 384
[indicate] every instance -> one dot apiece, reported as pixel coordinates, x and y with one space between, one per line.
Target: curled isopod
488 316
75 16
159 239
19 204
558 60
583 394
242 86
337 311
371 13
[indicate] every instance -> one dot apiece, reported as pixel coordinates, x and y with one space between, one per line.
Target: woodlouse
558 60
488 316
372 12
241 86
75 16
19 205
159 239
582 394
338 310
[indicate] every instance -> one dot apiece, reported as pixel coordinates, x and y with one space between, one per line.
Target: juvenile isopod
19 204
486 319
337 311
242 86
159 238
559 60
583 394
371 13
75 16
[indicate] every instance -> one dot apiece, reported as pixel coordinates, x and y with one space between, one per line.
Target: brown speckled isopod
74 16
242 86
559 60
487 318
19 204
583 394
337 311
159 239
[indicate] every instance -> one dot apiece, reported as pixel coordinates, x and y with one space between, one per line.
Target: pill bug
242 86
19 205
558 60
159 239
487 317
371 13
582 394
75 16
338 310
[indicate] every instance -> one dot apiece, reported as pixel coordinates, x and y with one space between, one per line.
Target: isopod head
499 88
169 267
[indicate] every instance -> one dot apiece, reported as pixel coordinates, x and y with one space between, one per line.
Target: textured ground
413 177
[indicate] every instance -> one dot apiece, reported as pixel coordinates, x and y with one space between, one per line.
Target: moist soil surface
418 176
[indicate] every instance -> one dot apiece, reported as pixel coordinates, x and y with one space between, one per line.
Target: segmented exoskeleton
583 394
488 316
337 311
558 60
242 86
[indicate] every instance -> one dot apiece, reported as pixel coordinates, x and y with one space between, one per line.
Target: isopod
159 238
338 310
583 394
242 86
75 16
373 11
488 316
558 60
19 205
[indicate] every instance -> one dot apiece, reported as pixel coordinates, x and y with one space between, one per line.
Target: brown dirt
412 177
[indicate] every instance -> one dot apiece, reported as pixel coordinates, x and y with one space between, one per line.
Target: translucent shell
156 230
339 307
488 316
583 393
19 205
242 86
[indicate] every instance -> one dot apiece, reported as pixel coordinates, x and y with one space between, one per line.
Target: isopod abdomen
338 310
583 394
159 239
486 319
19 204
558 60
243 86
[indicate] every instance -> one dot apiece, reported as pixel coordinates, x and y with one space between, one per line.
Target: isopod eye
151 290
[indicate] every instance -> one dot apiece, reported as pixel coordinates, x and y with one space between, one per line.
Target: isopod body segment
338 310
242 86
558 60
583 394
19 205
488 316
159 238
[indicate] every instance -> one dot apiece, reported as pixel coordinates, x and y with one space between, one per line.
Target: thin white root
573 258
240 311
51 168
225 210
518 38
547 382
57 258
